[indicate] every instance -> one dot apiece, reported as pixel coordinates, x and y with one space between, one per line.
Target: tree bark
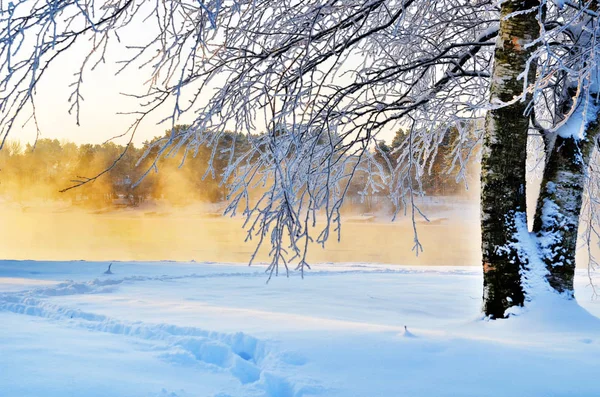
503 196
559 206
568 155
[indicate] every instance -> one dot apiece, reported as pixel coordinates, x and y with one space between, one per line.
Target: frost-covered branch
313 84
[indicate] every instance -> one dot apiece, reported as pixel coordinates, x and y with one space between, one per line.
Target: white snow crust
217 330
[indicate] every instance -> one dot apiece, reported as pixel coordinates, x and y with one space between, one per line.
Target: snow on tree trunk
568 153
503 201
559 203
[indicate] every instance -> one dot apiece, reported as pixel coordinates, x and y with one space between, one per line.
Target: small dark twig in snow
408 334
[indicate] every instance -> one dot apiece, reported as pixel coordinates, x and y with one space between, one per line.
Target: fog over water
61 232
175 213
39 224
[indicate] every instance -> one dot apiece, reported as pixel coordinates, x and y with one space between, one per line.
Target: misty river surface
188 235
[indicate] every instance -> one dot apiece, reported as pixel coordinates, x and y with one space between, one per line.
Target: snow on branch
312 84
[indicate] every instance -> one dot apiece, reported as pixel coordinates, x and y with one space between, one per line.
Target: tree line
42 170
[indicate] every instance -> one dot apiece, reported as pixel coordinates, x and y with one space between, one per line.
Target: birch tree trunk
568 155
559 203
503 196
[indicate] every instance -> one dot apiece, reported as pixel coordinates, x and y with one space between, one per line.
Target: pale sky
99 116
99 120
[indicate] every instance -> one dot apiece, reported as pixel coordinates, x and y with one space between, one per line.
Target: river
451 238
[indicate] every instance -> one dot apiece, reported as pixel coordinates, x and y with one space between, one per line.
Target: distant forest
39 172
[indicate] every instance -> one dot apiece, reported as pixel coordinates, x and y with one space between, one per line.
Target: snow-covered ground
190 329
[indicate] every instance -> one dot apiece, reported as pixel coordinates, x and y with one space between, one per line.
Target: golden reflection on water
189 235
